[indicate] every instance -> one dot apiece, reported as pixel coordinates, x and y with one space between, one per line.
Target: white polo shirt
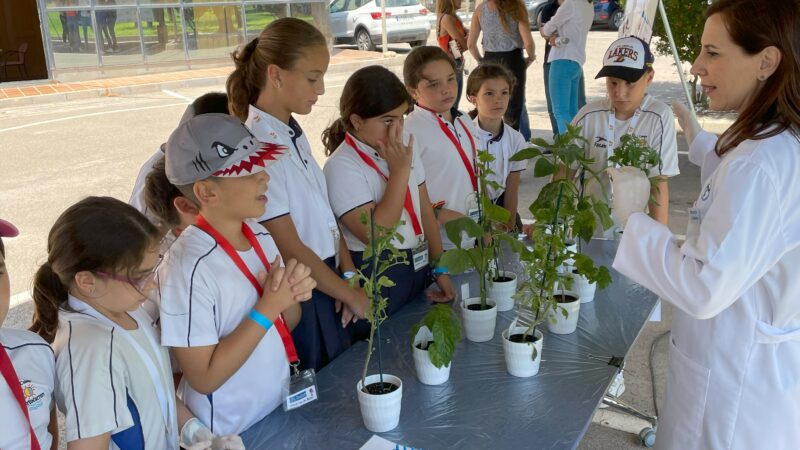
352 183
137 195
98 370
297 185
446 175
204 297
502 146
35 365
655 124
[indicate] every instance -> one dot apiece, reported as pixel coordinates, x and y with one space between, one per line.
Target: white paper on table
378 443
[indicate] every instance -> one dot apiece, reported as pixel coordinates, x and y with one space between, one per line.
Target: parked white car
359 22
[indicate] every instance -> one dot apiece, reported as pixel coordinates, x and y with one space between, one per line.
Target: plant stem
552 237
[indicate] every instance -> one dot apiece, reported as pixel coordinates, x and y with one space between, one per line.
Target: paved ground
57 153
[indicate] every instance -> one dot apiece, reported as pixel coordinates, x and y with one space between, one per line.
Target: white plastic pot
502 291
380 412
561 324
426 371
519 355
583 288
479 325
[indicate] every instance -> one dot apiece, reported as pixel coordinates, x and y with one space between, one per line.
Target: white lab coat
734 373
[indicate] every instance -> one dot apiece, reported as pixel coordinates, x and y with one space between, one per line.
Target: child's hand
298 276
396 154
293 285
446 285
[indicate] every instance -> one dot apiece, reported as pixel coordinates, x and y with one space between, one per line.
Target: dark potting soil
565 298
375 388
520 338
503 279
477 307
424 345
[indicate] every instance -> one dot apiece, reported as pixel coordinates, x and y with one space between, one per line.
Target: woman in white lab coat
734 373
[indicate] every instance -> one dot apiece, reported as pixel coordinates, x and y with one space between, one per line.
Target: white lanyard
166 402
612 125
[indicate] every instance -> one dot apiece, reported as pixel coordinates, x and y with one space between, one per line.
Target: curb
344 67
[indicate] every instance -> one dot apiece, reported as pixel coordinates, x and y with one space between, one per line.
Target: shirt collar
364 147
492 138
292 129
453 111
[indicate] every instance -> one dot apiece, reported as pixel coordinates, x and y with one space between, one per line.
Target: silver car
359 22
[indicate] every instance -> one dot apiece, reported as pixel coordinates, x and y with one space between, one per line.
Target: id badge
420 255
473 212
693 227
301 388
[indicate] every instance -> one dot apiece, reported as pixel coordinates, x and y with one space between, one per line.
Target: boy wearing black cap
628 109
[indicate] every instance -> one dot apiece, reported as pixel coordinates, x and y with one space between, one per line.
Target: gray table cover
482 406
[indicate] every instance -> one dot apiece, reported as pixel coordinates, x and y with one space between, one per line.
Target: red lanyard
12 380
283 331
409 205
457 144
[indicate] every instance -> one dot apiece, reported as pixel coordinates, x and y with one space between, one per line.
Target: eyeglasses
140 283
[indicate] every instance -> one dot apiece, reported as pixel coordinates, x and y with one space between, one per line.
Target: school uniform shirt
204 298
655 125
502 146
352 183
34 363
297 185
104 386
137 195
447 177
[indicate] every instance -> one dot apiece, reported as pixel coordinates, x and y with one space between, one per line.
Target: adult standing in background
450 33
506 31
567 31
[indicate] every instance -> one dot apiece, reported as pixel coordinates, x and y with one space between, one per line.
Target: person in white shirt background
278 74
27 376
489 88
734 372
446 139
114 380
372 167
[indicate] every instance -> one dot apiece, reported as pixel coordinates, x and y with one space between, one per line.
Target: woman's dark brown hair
418 58
282 43
485 72
510 8
95 234
370 92
755 25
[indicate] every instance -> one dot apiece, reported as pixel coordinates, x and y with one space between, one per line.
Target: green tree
686 19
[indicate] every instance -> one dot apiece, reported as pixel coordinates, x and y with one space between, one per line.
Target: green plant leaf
544 168
526 153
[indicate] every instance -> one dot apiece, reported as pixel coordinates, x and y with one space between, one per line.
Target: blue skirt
319 337
409 285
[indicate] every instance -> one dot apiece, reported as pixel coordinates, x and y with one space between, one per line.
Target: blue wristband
346 275
260 319
441 270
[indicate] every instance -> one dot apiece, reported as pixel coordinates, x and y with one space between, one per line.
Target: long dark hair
95 234
485 72
282 43
510 8
755 25
370 92
418 58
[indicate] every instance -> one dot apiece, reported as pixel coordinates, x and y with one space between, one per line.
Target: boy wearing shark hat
628 109
227 306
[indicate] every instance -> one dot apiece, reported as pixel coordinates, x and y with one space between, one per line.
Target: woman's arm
527 38
658 207
563 15
474 31
456 33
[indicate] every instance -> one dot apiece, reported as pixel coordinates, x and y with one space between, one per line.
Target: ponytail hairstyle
485 72
95 234
420 57
755 25
282 43
370 92
514 9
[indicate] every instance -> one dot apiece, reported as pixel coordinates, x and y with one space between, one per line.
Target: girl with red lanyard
370 167
452 37
27 366
445 137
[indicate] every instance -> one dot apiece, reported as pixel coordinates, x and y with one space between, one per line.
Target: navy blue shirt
548 12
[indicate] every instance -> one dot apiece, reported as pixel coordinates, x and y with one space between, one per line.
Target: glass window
393 3
316 14
213 31
72 38
339 5
163 39
259 16
66 3
118 36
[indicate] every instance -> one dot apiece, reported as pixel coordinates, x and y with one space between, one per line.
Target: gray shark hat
216 145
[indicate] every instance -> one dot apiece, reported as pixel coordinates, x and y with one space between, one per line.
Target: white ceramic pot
502 292
426 371
568 324
479 325
519 355
380 412
583 288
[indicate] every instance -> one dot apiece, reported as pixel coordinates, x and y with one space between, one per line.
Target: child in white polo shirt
371 167
27 381
446 139
488 88
628 109
221 297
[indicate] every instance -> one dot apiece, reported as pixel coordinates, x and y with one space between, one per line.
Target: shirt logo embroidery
33 399
706 192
